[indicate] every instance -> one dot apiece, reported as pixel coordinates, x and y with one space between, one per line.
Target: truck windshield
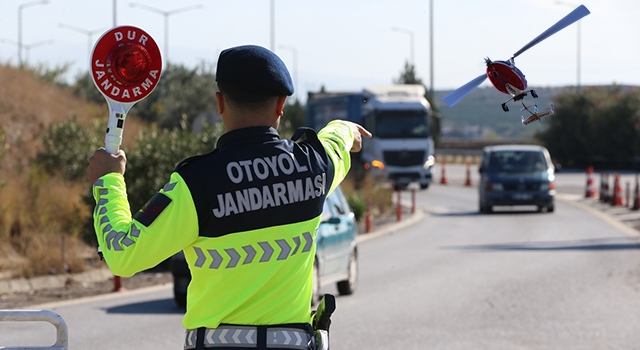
401 124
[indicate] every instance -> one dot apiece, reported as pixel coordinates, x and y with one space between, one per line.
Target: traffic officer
245 214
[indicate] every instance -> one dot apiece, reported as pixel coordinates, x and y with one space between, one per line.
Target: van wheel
548 209
485 208
349 286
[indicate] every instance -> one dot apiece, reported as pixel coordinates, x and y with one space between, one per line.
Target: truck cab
401 149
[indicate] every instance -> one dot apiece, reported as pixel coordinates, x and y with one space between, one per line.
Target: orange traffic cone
617 194
467 182
117 284
367 222
591 190
444 180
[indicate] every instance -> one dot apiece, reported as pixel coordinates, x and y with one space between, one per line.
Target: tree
157 152
86 89
180 92
292 119
594 126
408 76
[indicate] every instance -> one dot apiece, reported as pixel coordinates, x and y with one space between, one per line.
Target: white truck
401 150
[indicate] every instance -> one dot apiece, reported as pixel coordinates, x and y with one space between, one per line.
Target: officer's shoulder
304 134
187 162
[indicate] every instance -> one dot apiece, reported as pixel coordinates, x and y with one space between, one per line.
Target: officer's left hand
103 163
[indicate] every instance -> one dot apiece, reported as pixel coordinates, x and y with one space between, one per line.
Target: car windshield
517 161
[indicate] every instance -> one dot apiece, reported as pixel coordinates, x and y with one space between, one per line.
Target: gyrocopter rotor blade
456 95
572 17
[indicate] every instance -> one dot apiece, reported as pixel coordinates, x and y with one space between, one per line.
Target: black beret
254 69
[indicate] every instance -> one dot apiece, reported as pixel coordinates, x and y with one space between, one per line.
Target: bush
4 145
358 205
379 196
66 147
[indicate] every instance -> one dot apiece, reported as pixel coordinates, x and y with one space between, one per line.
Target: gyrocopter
505 76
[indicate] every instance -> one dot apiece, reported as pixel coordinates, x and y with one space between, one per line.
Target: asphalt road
515 279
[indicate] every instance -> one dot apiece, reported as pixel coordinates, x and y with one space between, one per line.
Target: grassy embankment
40 215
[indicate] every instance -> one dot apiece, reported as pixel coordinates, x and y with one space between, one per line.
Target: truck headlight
377 164
431 161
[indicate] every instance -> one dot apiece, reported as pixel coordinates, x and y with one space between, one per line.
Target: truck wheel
349 285
399 187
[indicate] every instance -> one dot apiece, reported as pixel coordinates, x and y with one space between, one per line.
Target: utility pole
273 30
431 88
166 15
29 4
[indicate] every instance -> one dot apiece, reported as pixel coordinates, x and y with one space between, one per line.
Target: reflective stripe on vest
246 336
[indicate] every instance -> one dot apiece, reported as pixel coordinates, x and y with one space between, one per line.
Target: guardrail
62 334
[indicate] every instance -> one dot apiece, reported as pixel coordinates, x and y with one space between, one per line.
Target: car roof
514 148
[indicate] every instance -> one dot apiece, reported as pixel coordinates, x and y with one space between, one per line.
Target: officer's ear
280 105
220 102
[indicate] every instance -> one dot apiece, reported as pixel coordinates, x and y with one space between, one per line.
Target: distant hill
480 115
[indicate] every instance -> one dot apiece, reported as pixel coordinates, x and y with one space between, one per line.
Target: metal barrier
62 334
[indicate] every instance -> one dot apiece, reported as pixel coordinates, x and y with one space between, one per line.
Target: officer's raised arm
339 138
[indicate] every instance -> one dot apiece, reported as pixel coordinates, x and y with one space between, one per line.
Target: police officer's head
252 78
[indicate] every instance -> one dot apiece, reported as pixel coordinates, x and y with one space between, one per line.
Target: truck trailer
401 150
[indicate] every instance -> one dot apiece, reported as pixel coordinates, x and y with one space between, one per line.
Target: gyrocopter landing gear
518 97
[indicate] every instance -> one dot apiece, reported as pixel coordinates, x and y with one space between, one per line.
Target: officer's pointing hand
358 132
103 163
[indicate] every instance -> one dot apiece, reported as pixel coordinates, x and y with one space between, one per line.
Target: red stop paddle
126 65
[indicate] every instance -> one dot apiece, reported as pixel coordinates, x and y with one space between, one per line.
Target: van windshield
517 161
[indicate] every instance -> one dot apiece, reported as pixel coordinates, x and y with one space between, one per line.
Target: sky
345 45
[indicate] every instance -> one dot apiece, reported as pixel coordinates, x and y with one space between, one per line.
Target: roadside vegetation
597 127
48 130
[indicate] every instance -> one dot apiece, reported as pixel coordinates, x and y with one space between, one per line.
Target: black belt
247 336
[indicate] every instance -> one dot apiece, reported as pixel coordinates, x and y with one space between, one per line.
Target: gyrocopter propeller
504 75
